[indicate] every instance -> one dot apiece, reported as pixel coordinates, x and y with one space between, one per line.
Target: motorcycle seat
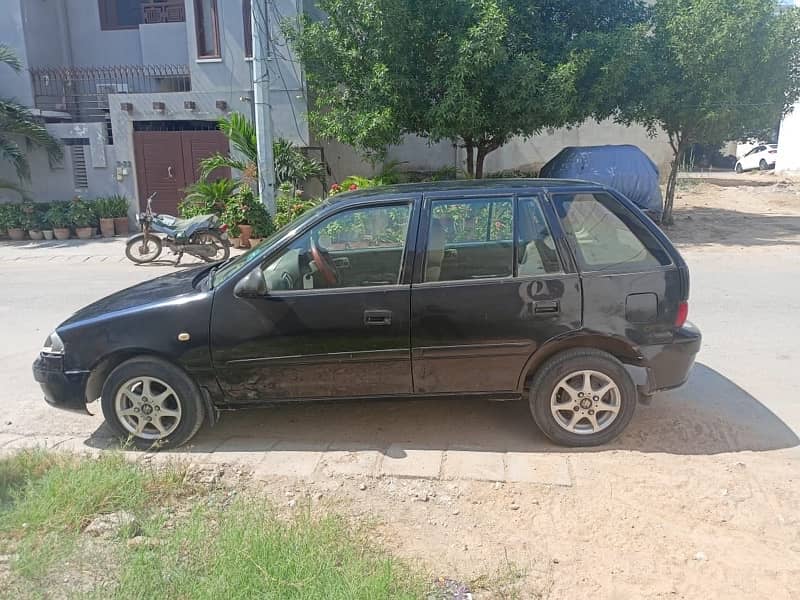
181 225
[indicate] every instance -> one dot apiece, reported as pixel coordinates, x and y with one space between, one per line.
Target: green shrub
58 215
289 205
82 213
118 205
13 217
207 198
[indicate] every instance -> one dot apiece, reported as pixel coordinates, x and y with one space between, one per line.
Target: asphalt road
741 395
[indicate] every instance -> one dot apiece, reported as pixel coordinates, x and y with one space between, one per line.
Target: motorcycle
203 237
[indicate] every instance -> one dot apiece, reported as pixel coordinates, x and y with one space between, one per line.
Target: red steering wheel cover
327 273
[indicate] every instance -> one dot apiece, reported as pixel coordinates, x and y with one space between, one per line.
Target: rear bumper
61 389
669 365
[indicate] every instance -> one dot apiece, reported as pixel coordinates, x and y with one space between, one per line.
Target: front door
336 320
167 162
491 289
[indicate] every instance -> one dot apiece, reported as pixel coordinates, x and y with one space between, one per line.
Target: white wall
530 155
789 142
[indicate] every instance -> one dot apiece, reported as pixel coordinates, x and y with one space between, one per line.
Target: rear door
489 288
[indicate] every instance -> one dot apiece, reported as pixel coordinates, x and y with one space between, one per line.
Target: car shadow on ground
709 415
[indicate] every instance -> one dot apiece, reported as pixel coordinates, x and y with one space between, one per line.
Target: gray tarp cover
624 168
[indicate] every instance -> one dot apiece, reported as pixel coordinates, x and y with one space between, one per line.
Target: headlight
53 344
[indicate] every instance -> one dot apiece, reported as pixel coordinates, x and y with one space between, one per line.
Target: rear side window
536 250
470 239
605 236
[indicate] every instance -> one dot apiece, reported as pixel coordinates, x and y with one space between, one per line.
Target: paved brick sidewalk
268 458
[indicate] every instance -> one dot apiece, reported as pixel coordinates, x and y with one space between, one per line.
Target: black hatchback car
558 292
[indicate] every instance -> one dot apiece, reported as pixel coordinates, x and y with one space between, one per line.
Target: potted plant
233 217
47 227
58 218
15 221
119 212
104 208
32 220
83 218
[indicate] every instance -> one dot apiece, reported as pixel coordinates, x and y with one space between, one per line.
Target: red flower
336 187
352 187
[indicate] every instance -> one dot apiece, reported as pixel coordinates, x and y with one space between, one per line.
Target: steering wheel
325 266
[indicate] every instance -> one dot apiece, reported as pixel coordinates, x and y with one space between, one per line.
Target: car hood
166 289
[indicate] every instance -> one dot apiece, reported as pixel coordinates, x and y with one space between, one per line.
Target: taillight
223 228
773 151
682 315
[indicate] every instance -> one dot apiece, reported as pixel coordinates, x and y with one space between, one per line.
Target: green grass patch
246 551
204 548
50 498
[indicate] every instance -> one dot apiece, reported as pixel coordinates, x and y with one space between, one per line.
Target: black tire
135 244
738 168
187 397
211 237
560 366
762 164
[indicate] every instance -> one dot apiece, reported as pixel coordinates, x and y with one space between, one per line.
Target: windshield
252 256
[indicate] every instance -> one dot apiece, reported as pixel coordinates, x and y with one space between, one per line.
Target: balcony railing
171 11
83 91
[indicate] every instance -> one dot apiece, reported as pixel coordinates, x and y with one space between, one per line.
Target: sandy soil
762 213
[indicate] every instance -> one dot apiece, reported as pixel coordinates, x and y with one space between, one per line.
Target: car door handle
546 307
377 317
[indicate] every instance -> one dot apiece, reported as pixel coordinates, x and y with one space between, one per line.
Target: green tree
708 71
19 130
475 71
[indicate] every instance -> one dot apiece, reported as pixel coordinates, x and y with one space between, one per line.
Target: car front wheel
582 397
152 403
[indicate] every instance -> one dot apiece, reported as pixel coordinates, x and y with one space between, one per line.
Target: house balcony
82 92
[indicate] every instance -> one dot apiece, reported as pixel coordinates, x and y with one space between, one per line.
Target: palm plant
19 130
291 165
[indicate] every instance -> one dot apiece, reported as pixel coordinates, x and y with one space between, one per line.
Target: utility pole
262 108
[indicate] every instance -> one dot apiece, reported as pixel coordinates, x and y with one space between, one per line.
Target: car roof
464 185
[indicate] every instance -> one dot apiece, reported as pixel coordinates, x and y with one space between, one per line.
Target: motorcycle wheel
143 249
222 250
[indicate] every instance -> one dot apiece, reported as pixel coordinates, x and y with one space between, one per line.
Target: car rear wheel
738 168
152 403
582 397
763 165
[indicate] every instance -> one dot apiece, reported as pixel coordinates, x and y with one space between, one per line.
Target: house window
206 24
120 14
248 28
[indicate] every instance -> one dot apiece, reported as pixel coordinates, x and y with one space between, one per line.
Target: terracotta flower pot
236 242
254 242
16 234
35 234
84 233
61 233
121 226
107 227
48 234
245 232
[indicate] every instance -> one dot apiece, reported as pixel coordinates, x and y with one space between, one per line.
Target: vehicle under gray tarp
625 168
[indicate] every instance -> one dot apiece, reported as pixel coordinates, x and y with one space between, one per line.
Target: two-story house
134 88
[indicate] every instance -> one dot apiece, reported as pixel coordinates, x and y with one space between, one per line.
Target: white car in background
761 157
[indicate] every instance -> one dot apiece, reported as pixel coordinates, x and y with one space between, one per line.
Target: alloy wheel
585 402
148 408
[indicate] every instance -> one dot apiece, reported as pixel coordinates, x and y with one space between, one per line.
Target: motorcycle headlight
53 344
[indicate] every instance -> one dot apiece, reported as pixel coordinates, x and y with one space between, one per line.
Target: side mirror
252 285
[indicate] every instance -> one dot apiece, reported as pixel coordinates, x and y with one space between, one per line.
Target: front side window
470 239
355 248
120 14
605 236
536 250
206 23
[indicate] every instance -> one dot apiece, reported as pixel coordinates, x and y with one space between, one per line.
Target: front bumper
668 365
61 389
